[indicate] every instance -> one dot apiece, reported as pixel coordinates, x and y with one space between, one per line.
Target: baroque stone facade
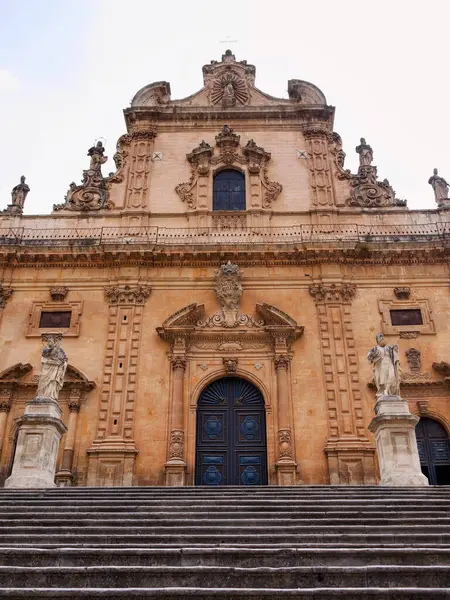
229 244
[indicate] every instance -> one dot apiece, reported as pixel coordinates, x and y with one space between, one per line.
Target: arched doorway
231 434
434 451
229 190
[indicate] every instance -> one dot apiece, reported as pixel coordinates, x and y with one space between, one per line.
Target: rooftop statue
440 186
97 157
365 153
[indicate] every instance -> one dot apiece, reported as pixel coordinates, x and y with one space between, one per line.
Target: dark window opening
408 316
229 190
56 319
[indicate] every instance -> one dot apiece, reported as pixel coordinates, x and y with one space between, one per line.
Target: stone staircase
271 543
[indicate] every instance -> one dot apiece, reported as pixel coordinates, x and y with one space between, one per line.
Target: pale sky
69 67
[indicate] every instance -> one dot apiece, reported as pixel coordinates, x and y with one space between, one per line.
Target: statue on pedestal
18 196
439 185
54 365
97 157
386 367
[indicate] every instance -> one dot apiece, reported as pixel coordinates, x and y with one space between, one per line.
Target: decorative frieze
344 292
133 295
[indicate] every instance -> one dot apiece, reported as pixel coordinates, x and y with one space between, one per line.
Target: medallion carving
285 443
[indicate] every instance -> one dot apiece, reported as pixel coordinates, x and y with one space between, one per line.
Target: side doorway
231 446
434 451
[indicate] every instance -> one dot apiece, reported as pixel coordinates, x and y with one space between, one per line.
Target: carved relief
285 443
282 362
368 192
228 288
230 364
229 89
58 293
402 293
228 81
127 294
332 292
179 362
5 295
176 446
413 358
228 152
227 221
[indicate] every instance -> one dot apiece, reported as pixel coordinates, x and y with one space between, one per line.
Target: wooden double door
231 444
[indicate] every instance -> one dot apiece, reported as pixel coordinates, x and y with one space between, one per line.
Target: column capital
316 130
282 362
178 362
333 292
127 294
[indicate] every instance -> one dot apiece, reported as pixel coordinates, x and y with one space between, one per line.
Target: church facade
218 293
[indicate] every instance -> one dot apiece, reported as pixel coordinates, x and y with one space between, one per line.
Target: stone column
64 477
394 430
286 465
176 465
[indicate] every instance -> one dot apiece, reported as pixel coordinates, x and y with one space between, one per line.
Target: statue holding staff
386 367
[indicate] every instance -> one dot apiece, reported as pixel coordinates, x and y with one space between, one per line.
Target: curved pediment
229 84
15 372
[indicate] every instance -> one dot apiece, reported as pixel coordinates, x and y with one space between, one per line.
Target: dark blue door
231 434
229 190
434 451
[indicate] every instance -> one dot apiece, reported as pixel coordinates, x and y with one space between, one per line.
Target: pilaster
140 162
317 136
351 456
113 452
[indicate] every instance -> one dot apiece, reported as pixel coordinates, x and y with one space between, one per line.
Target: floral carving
176 446
285 443
272 189
409 335
5 295
186 191
402 293
332 293
59 292
127 294
413 358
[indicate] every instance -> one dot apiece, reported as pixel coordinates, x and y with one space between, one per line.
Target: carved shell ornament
238 85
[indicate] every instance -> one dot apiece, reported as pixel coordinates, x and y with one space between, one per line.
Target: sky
69 67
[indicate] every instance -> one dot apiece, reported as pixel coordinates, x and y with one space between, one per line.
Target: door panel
231 434
434 451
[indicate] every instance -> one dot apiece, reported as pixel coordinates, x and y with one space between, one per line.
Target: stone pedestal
40 431
394 430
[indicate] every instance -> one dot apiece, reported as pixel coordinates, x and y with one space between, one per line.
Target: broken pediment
229 84
15 372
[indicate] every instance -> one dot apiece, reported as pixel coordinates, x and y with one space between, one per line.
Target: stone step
219 528
131 522
136 513
112 537
224 556
387 576
202 593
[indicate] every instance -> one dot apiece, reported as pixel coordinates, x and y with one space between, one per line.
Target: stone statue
54 365
97 159
386 367
19 193
229 96
439 185
228 288
365 153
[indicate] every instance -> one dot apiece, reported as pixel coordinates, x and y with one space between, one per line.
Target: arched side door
434 451
231 444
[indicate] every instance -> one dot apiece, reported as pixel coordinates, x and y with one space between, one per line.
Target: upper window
229 190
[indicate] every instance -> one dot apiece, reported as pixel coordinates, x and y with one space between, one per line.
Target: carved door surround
205 349
228 153
18 386
112 454
350 453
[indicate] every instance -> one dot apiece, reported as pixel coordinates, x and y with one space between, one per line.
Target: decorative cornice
127 294
344 292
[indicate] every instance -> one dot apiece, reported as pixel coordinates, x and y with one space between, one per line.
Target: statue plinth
175 472
40 431
395 436
443 203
